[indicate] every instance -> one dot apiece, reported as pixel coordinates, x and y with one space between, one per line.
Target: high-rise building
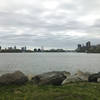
88 44
0 48
24 49
79 46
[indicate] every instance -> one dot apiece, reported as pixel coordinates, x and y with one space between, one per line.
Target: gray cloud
52 23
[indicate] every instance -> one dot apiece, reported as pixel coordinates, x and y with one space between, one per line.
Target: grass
73 91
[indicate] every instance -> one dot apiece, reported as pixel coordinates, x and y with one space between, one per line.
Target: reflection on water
35 63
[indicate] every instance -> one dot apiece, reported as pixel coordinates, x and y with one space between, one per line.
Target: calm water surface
35 63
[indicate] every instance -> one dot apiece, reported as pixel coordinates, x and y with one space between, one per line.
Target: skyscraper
0 48
88 44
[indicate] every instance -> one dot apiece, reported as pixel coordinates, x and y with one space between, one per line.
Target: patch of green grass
73 91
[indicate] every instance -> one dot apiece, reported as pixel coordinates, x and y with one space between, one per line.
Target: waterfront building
0 48
88 44
79 46
23 49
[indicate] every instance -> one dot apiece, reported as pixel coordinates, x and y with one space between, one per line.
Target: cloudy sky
49 23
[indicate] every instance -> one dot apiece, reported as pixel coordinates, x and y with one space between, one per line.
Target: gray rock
71 79
94 77
83 75
13 78
98 80
50 78
78 77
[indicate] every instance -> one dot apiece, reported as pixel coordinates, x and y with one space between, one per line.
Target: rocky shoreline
49 78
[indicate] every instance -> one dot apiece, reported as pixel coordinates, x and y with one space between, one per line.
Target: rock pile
49 78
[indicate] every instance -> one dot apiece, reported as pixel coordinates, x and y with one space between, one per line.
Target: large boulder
13 78
71 79
94 77
78 77
83 75
50 78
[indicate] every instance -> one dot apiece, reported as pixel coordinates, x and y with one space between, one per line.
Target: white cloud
51 4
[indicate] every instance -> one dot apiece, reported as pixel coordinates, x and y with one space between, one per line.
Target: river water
36 63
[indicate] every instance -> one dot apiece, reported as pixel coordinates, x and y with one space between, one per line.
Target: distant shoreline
40 52
54 52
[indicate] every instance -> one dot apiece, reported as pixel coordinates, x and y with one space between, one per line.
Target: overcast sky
49 23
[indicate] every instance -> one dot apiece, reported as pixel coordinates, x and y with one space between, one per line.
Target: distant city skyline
46 48
88 47
32 47
49 23
43 47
